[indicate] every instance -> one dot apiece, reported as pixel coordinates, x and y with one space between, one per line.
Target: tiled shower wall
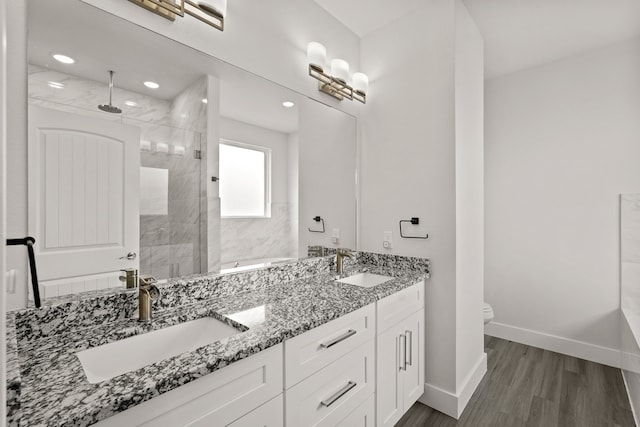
169 244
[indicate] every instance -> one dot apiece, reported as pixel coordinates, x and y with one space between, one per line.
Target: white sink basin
116 358
366 280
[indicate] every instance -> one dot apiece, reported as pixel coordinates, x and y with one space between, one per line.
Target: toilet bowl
488 313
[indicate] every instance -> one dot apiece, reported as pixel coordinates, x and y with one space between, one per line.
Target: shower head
110 108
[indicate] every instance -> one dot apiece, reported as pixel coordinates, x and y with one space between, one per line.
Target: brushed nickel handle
410 337
337 395
403 348
130 256
336 340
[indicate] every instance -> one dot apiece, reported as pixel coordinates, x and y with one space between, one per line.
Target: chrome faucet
148 292
340 258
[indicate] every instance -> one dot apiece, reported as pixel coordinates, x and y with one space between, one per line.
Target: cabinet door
362 416
271 414
413 376
389 407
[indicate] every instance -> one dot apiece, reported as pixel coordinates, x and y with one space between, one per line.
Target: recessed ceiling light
205 100
152 85
131 103
56 85
63 58
288 104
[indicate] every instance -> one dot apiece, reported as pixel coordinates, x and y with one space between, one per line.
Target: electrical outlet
387 242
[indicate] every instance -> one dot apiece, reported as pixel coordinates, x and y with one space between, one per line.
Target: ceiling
365 16
147 56
518 34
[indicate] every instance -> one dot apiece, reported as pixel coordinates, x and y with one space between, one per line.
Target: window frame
267 177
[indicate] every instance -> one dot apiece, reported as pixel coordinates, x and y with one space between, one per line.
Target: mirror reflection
230 171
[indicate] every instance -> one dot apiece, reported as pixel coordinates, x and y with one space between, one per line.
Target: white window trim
267 178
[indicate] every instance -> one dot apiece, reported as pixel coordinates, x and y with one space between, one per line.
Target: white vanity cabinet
217 399
400 353
268 415
329 372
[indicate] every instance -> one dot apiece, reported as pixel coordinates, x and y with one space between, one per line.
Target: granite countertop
49 385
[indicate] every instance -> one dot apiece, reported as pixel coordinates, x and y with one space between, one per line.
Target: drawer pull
330 401
410 337
336 340
402 349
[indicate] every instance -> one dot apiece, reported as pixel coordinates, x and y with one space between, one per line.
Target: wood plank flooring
530 387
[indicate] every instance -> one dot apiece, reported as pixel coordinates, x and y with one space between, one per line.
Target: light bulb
340 69
316 54
360 82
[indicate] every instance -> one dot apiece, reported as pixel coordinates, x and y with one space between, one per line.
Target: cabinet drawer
213 400
315 349
331 394
268 415
396 307
362 416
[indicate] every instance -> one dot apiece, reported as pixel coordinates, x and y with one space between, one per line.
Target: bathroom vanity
305 351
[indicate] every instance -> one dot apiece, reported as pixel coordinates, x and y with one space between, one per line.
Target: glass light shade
220 6
360 82
316 54
161 147
340 69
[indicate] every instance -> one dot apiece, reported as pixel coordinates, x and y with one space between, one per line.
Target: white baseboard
579 349
630 395
453 404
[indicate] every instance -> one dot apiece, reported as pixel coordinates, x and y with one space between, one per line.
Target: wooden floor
530 387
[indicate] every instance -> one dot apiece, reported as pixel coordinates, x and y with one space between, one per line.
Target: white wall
414 136
327 188
16 208
561 143
469 166
251 238
3 192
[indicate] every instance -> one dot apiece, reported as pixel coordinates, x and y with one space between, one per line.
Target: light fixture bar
166 8
334 86
209 16
210 13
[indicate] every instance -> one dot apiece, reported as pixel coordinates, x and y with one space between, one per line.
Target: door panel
83 193
388 377
414 375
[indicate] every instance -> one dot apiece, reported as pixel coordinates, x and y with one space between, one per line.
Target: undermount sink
365 280
119 357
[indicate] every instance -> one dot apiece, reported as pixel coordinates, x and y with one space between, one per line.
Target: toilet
488 313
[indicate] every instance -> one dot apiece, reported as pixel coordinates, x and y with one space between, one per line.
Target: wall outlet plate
387 241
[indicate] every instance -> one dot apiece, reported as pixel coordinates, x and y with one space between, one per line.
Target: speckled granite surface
50 387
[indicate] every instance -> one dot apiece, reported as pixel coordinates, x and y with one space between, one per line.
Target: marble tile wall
170 244
257 238
630 251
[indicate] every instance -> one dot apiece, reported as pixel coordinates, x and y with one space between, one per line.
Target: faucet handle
147 281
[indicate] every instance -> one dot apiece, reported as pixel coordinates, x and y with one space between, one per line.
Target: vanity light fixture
63 58
151 85
205 100
288 104
211 12
337 83
162 147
